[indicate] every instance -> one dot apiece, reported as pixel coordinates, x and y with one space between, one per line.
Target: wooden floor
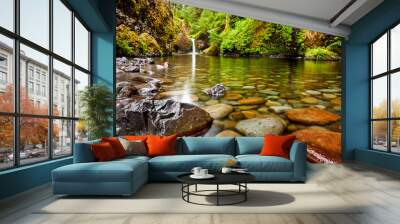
378 189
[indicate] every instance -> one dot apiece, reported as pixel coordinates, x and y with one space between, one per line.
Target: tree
33 131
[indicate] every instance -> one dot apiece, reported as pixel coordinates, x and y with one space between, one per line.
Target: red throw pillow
135 137
275 145
116 145
103 152
161 145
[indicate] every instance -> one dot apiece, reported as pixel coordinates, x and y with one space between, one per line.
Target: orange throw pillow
103 152
135 137
161 145
116 145
275 145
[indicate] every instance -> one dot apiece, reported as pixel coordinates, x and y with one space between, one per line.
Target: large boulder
218 111
312 116
323 146
261 126
161 117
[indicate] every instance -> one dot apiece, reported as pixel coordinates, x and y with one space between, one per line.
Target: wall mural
194 72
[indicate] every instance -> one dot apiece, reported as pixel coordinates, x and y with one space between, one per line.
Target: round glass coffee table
238 179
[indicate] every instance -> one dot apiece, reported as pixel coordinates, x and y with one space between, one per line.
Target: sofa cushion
207 145
161 145
185 163
134 147
116 145
257 163
277 145
249 145
103 152
112 171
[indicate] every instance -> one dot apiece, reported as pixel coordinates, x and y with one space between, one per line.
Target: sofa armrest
83 152
298 155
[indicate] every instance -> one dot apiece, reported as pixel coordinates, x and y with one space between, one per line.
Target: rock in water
218 111
164 117
228 133
280 109
216 91
126 89
261 126
323 146
151 89
252 101
310 100
311 116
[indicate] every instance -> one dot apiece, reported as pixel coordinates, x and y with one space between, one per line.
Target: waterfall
193 46
193 59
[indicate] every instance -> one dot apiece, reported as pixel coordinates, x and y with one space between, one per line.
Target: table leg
217 194
195 188
245 193
188 190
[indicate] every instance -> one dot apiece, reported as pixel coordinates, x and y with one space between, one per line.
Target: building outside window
3 72
56 128
30 87
30 72
385 94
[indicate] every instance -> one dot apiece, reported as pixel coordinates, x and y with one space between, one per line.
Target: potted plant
97 102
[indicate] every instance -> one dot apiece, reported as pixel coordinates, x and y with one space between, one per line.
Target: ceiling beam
269 15
347 11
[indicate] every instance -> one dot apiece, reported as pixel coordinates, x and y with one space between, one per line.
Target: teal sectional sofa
125 176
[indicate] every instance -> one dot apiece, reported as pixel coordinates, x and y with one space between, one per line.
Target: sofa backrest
249 145
83 153
206 145
190 146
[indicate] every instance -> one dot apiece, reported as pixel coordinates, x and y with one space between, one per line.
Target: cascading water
193 59
193 46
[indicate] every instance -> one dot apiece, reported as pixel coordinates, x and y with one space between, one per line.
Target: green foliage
127 42
148 45
321 54
158 27
97 103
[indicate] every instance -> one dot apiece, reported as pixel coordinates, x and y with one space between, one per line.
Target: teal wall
99 15
356 124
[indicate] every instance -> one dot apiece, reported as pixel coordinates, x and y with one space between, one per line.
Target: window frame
388 74
16 114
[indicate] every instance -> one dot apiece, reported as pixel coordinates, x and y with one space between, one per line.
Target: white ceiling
328 16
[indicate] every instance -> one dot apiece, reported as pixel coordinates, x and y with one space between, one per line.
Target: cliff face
144 27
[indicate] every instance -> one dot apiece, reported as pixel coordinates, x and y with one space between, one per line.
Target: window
81 82
44 91
30 87
62 74
7 14
62 137
37 89
6 142
81 45
62 29
46 75
3 78
385 95
35 21
6 73
30 72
